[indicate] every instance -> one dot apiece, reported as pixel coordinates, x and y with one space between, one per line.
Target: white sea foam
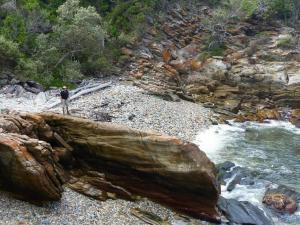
275 124
250 145
215 138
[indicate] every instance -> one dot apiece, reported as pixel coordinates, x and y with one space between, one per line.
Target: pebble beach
125 104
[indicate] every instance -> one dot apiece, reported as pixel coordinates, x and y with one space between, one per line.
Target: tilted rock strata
114 161
295 117
254 72
28 168
162 168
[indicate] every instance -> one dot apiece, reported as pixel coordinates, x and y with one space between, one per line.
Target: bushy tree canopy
60 40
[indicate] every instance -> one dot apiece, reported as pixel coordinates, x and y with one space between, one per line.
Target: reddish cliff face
255 70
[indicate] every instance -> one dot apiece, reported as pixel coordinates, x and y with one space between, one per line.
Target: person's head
64 87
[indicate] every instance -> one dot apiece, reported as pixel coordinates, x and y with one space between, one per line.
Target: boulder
29 169
167 57
127 51
282 199
295 117
243 213
232 105
238 175
104 160
260 116
165 169
33 87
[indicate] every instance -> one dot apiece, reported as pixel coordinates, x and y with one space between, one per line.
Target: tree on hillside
289 10
78 37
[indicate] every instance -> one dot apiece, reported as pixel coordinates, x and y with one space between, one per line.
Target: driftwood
81 88
83 92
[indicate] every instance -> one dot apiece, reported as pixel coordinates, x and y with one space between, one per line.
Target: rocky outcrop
103 160
28 168
254 71
17 88
162 168
295 117
260 116
27 164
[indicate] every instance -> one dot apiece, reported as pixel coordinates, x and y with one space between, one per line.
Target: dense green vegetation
55 41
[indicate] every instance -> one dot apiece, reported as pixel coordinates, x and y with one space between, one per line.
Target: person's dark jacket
64 94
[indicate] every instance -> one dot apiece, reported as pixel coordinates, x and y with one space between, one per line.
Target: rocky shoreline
120 101
125 104
136 108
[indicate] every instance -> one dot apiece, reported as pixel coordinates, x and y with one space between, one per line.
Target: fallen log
88 86
81 93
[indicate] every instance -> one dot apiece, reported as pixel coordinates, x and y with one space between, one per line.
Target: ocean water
271 148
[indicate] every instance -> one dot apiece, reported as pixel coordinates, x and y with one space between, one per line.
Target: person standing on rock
64 95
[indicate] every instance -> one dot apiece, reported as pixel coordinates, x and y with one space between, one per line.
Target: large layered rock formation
104 161
27 166
259 67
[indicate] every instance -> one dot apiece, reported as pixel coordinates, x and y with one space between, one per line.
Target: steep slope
257 67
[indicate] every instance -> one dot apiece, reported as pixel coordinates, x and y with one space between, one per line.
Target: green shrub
30 4
26 69
11 58
279 8
285 41
210 52
250 7
129 16
13 28
8 49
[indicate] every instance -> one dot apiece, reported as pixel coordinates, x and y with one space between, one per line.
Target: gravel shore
74 209
133 107
127 105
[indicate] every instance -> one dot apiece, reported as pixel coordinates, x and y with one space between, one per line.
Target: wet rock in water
225 166
295 117
260 116
238 174
247 181
224 171
243 213
282 199
242 176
